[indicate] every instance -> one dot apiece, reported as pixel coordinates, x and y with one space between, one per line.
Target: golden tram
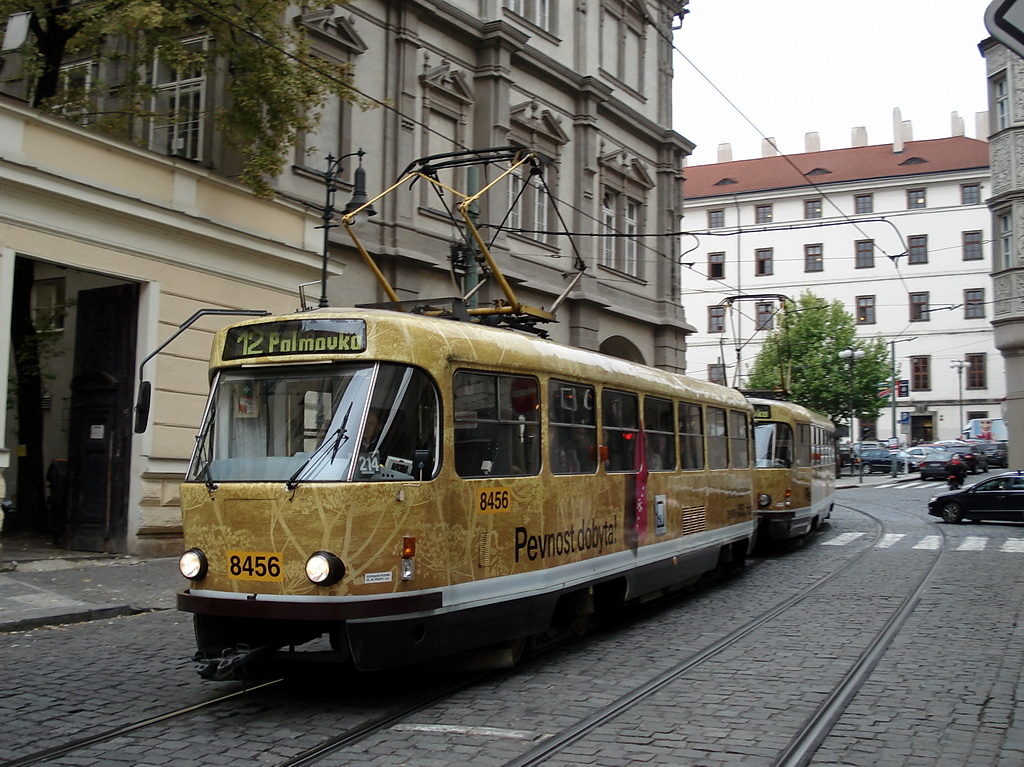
413 487
795 457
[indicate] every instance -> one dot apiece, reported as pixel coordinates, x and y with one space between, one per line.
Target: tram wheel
951 512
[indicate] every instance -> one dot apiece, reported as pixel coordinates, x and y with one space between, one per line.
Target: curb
75 616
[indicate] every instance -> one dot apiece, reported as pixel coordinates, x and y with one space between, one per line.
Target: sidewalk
41 585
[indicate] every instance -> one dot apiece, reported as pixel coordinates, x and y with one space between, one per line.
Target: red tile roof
835 165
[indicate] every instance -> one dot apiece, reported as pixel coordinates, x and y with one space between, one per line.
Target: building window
765 315
915 198
865 310
864 255
716 219
537 12
1005 260
813 258
970 194
919 307
716 374
620 215
972 246
976 373
1001 97
812 208
716 266
716 319
918 249
864 203
763 214
623 37
974 304
920 377
763 262
178 105
528 207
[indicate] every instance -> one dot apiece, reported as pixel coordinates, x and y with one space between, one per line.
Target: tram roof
429 342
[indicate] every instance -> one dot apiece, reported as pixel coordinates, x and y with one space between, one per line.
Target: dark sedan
933 466
996 498
996 453
878 459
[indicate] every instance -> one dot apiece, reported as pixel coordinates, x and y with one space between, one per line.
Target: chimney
859 136
897 131
956 125
981 125
769 147
812 142
725 152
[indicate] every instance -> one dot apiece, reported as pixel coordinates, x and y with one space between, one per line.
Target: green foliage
274 85
803 351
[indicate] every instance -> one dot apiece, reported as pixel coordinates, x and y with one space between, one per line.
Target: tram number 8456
494 499
254 566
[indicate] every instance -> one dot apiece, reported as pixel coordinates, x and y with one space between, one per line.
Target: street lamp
958 366
892 398
359 199
852 355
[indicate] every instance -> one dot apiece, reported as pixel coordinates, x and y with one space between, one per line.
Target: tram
795 459
413 487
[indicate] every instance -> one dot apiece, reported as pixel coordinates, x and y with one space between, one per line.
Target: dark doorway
922 429
100 430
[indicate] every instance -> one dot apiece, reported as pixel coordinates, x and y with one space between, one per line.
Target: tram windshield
773 442
342 423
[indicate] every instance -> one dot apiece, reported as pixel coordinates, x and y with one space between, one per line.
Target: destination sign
295 337
762 411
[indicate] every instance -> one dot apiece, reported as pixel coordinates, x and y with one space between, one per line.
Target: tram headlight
763 500
324 568
193 565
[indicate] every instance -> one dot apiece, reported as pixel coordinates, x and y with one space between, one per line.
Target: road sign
1005 20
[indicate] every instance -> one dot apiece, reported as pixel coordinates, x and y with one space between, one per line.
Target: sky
796 66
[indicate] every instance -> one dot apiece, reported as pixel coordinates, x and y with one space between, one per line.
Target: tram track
79 744
373 724
803 744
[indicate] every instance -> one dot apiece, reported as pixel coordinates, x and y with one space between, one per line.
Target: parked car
996 498
933 465
995 452
913 456
878 459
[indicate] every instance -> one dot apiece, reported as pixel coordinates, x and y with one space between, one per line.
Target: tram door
100 423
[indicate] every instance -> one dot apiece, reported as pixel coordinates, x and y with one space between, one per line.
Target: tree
275 86
803 351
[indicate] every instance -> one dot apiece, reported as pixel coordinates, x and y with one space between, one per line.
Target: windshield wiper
333 441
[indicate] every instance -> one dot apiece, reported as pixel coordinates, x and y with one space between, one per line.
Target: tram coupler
230 662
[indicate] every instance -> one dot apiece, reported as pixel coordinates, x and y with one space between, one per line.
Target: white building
899 233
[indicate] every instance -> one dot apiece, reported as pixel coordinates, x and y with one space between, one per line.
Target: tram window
718 439
691 433
739 439
773 445
621 429
497 424
306 424
402 420
803 444
572 428
659 435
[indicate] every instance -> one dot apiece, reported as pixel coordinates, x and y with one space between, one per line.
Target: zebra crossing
934 542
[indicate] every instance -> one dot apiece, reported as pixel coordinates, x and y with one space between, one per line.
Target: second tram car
795 457
414 487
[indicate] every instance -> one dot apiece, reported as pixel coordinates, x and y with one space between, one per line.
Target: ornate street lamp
359 199
959 366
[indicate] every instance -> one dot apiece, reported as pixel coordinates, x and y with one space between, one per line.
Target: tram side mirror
142 406
422 464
